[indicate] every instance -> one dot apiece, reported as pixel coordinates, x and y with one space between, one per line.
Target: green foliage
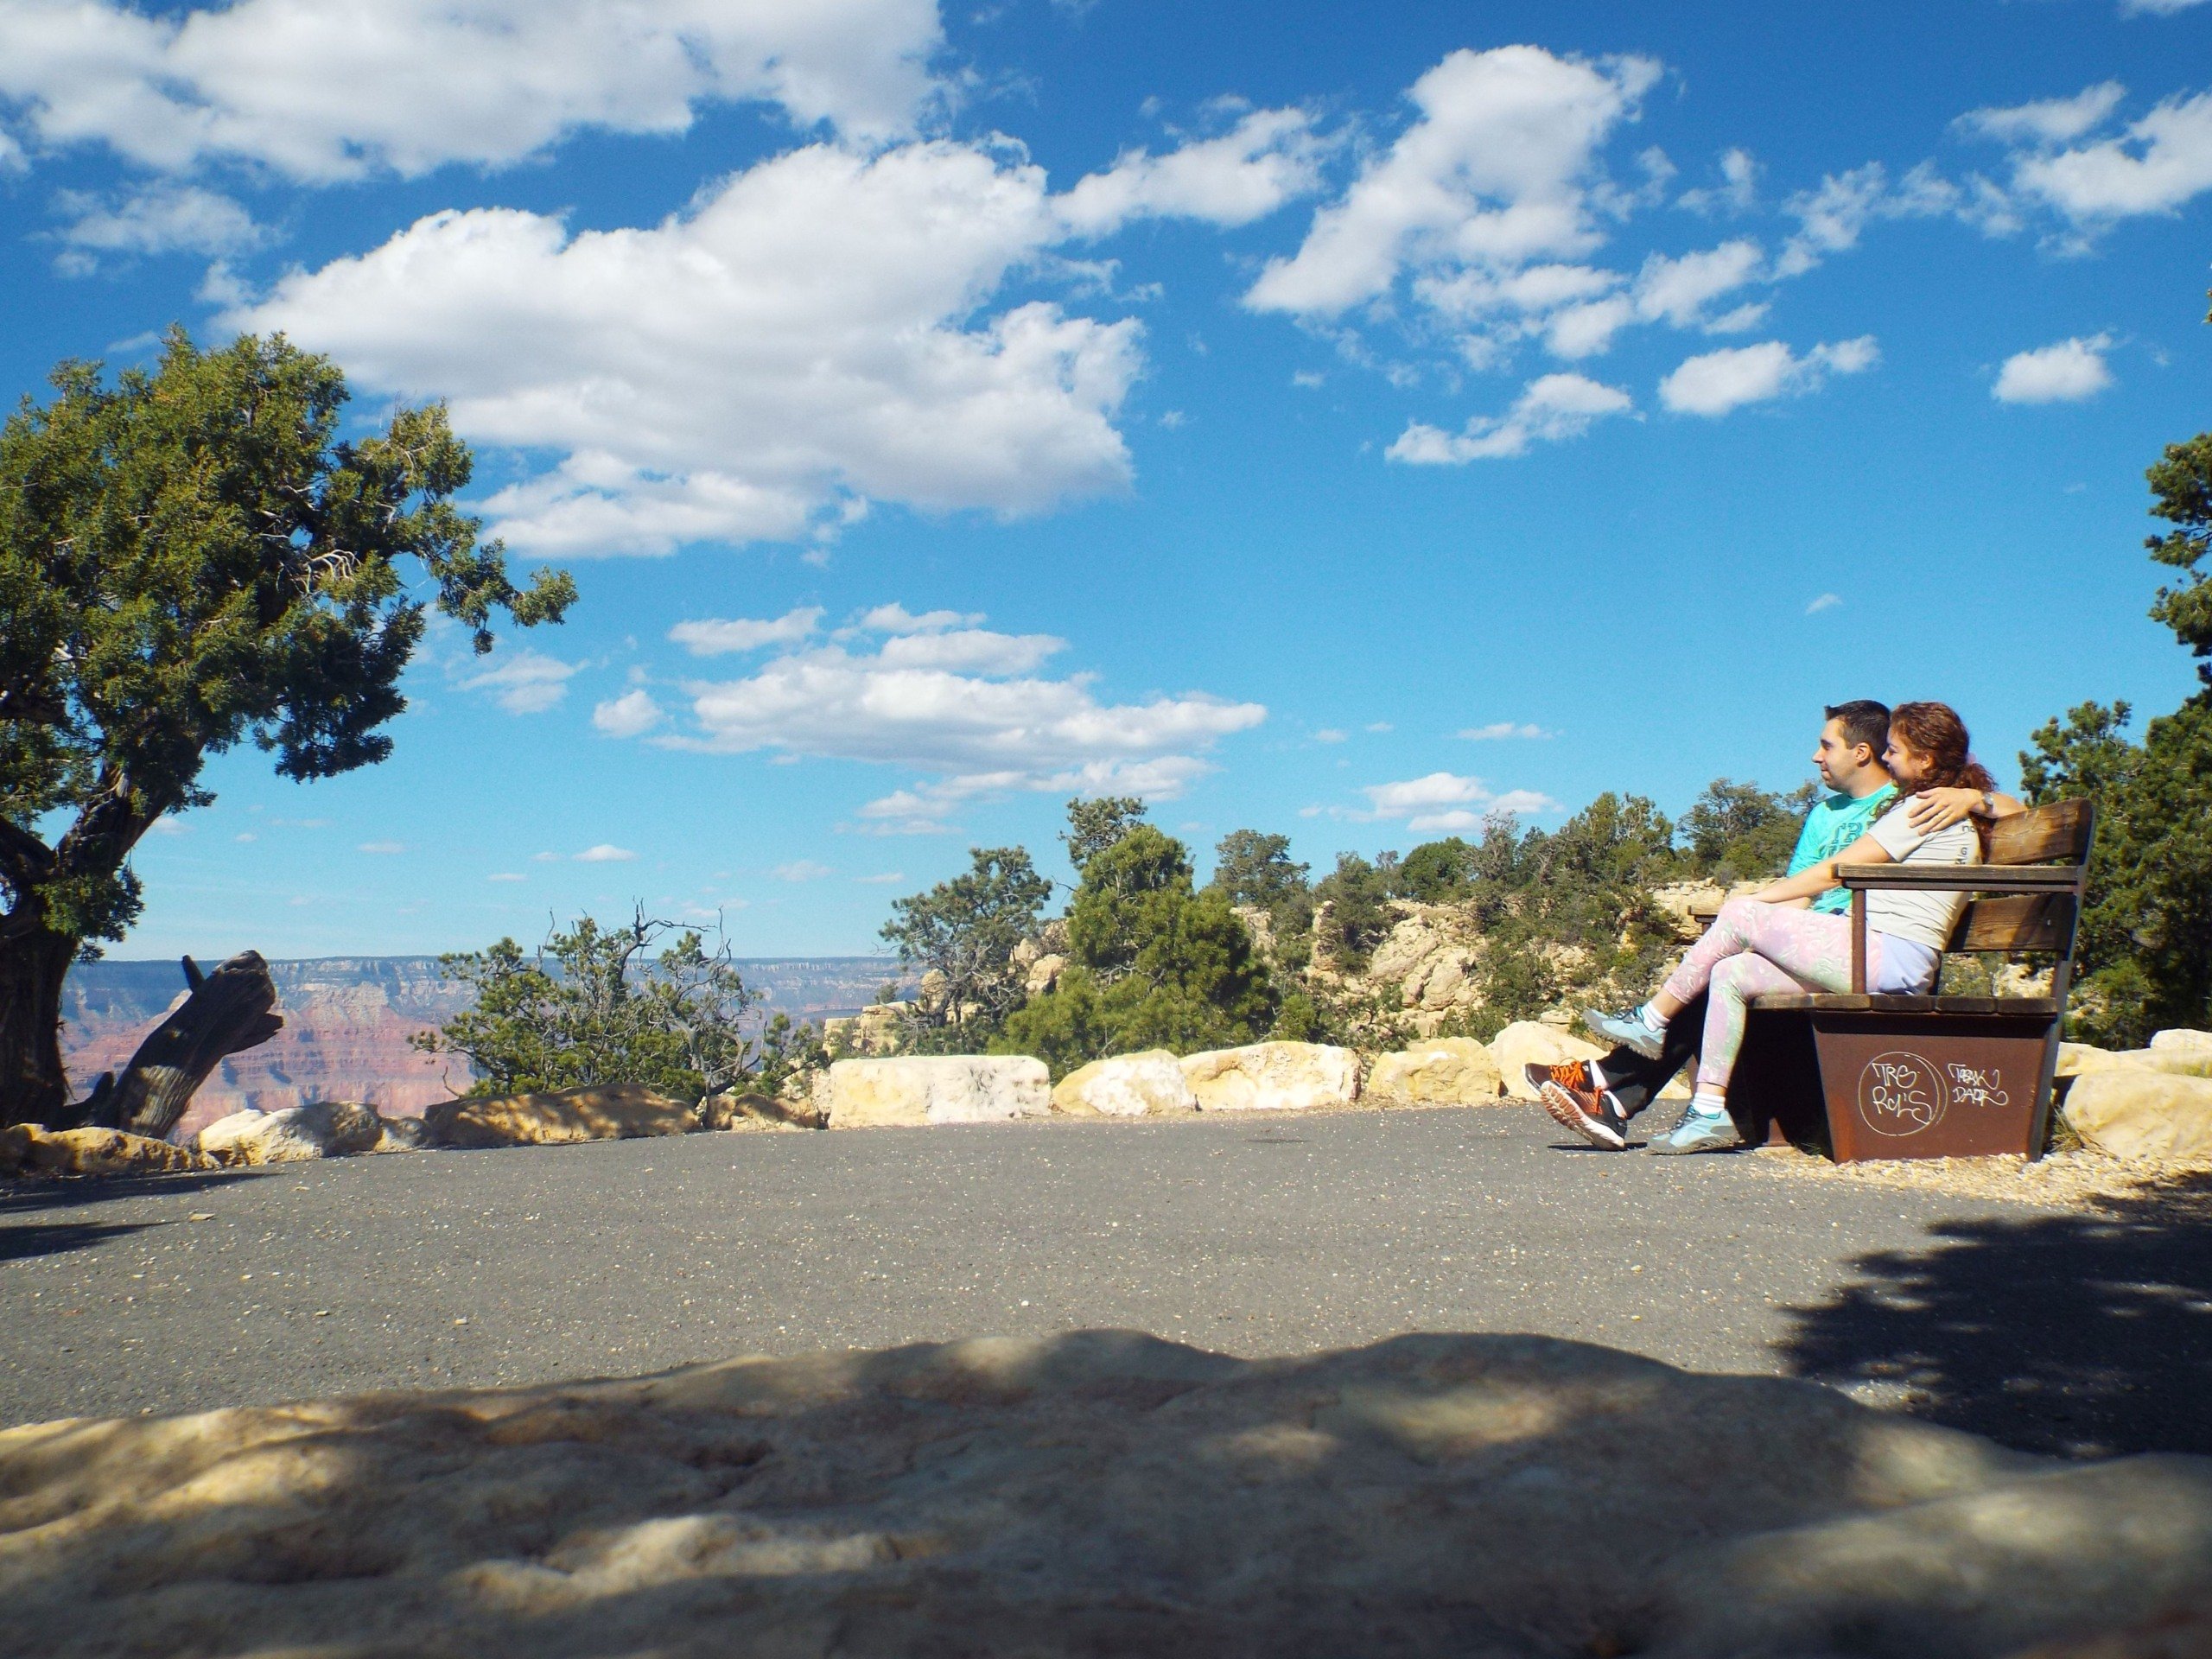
966 929
2145 951
1094 825
1740 832
584 1009
1358 917
1153 964
1437 872
189 558
2182 482
1255 869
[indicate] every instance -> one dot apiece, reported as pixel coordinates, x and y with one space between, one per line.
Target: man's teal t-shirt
1831 826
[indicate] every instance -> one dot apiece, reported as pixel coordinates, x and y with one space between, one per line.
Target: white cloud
2155 8
1270 157
802 869
897 618
523 681
882 881
383 848
506 875
2064 373
2050 120
1718 381
1551 410
1444 802
1504 729
712 637
161 218
1737 192
628 714
965 707
605 853
1328 734
807 337
328 90
1825 602
1499 171
1681 290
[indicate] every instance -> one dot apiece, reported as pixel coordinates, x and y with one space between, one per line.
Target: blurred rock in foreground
1097 1493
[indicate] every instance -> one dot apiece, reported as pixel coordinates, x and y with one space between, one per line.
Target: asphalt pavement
1250 1235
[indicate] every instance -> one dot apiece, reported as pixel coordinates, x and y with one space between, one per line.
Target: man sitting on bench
1597 1099
1769 943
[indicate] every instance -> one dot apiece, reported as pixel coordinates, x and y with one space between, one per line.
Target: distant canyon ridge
347 1019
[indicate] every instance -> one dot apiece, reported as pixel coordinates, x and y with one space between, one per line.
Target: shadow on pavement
2079 1335
29 1196
29 1239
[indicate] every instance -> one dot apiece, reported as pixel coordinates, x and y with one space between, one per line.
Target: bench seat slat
2024 1008
1961 878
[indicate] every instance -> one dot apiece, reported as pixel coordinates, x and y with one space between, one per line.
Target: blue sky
1342 421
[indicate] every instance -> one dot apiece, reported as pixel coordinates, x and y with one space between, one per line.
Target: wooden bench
1871 1076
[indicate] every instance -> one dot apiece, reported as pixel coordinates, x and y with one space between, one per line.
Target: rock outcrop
1148 1085
2133 1112
26 1149
1096 1493
937 1089
754 1111
1272 1077
1438 1072
1529 1042
324 1128
561 1117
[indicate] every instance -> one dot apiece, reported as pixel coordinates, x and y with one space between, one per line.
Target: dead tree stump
228 1012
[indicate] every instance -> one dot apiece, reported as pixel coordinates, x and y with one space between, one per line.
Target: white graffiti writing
1900 1094
1973 1086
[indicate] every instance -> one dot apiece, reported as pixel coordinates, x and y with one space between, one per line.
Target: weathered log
228 1012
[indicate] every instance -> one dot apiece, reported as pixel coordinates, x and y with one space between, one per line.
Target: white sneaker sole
1569 1115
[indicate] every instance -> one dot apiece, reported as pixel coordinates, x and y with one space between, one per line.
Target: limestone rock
1437 1071
2176 1060
1098 1492
400 1134
27 1149
1149 1085
938 1088
877 1029
2131 1112
561 1117
323 1128
1528 1042
1272 1077
2182 1040
1044 973
754 1111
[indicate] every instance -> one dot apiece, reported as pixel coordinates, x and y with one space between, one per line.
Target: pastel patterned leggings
1752 949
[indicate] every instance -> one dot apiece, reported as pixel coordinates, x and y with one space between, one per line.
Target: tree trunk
229 1010
34 1089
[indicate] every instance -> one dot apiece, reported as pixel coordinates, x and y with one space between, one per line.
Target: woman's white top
1927 917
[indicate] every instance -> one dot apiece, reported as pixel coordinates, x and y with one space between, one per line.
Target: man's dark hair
1864 722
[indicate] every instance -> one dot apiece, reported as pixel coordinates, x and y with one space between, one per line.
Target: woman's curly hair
1936 730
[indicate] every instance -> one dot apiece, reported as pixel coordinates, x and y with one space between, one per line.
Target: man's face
1838 760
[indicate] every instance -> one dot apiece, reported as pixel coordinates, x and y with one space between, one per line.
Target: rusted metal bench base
1883 1076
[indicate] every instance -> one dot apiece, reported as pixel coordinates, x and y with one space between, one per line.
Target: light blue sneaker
1626 1029
1699 1132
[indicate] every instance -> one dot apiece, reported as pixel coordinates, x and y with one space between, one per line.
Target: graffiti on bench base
1902 1093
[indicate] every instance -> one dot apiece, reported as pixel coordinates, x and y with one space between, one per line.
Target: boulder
2177 1059
1528 1042
27 1149
1089 1493
2128 1112
325 1129
1044 974
1150 1085
754 1111
2183 1040
400 1134
1272 1077
938 1088
602 1112
1437 1071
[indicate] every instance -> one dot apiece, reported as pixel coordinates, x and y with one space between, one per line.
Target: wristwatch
1986 807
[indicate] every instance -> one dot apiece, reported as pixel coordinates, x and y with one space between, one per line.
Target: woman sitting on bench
1770 943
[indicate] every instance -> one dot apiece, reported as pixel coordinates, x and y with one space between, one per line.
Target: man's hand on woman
1939 809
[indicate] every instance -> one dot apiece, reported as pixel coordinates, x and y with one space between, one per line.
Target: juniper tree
189 558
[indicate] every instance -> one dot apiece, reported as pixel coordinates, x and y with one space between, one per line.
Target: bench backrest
2058 833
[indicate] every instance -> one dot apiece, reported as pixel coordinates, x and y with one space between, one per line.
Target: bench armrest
1960 878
